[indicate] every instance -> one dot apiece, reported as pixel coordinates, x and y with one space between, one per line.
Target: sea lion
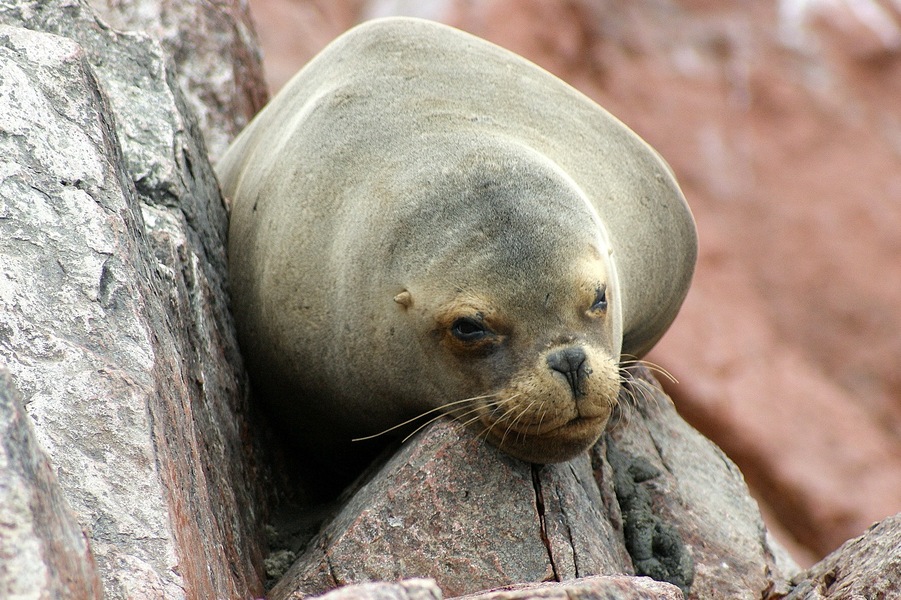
425 221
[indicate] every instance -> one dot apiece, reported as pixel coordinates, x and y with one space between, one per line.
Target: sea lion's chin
554 445
543 417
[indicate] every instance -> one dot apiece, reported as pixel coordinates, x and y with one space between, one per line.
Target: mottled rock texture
44 553
215 53
589 588
450 507
868 566
113 308
781 120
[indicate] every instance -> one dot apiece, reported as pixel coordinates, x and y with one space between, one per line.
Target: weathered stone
582 526
410 589
446 506
619 587
450 507
44 553
113 306
702 495
868 566
216 55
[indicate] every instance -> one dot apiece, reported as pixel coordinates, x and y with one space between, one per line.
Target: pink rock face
782 123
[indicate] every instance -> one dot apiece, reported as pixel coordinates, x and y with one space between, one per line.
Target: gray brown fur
411 173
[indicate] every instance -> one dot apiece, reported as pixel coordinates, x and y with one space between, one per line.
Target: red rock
868 566
654 498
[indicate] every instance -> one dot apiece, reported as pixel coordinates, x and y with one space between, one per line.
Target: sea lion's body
421 217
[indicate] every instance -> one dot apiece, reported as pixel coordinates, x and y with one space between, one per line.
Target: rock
423 515
216 54
44 553
868 566
450 507
695 490
113 306
589 588
411 589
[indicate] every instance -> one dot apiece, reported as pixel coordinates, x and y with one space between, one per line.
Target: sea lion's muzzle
572 363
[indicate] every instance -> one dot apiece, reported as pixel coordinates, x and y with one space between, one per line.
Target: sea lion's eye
600 299
467 329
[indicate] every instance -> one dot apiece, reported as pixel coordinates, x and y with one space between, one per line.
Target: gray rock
448 506
113 306
445 506
590 588
616 587
868 566
411 589
216 55
44 553
700 493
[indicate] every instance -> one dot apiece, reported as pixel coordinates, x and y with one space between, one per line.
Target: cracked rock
450 507
865 567
113 309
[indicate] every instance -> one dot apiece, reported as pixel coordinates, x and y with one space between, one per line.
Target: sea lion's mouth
547 444
577 428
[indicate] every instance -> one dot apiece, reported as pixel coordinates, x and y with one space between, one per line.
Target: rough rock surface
410 589
588 588
113 317
44 553
217 58
868 566
781 120
450 507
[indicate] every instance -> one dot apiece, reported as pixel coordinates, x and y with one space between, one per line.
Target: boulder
589 588
653 498
216 56
869 566
44 552
113 306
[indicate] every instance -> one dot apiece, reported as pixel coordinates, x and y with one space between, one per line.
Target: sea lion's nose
570 362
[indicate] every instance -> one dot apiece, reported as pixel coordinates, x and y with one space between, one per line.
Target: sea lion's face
511 297
543 372
532 368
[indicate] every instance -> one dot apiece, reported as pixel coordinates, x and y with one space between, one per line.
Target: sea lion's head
511 289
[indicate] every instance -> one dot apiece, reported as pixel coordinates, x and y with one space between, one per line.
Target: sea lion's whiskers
421 415
646 390
654 367
638 391
497 406
457 417
510 425
506 412
541 420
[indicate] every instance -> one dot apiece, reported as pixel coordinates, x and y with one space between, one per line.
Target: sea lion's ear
405 299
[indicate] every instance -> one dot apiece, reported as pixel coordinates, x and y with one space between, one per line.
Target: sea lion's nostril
570 362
